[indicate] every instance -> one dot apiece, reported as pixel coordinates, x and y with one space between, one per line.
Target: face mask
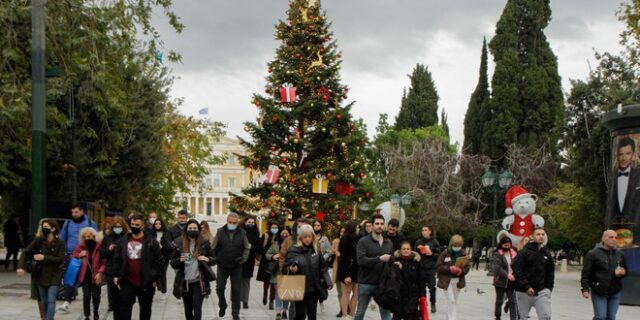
136 230
46 232
249 226
117 230
90 243
152 220
456 249
193 233
318 231
274 230
232 227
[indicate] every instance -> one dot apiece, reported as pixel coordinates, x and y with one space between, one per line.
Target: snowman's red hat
514 194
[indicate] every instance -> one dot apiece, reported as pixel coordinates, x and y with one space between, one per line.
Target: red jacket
97 262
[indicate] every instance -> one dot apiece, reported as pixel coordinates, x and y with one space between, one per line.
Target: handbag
271 267
207 271
33 267
71 275
291 287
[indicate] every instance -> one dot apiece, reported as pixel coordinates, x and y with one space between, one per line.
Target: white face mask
456 249
152 220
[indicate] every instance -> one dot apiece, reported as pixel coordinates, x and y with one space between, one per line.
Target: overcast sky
227 43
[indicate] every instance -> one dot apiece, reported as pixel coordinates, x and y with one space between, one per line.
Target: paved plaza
566 303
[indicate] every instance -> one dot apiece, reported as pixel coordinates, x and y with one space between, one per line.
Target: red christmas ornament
329 175
298 55
367 194
273 214
321 50
292 181
305 82
273 193
324 93
269 70
257 103
320 216
292 201
343 187
341 214
273 148
339 116
362 175
285 160
275 118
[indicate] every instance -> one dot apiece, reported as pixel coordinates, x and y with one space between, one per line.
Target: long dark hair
350 229
279 238
162 229
185 238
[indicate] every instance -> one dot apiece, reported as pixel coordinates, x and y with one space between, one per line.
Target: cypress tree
478 108
526 103
420 105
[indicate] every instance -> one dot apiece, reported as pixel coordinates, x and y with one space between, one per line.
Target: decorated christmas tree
306 152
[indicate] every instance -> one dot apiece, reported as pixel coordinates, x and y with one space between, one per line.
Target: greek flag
204 111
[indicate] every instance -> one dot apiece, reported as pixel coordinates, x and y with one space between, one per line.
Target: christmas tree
306 147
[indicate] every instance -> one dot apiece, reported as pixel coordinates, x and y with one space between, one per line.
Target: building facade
209 200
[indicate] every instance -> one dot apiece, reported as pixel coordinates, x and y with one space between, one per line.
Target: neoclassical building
209 200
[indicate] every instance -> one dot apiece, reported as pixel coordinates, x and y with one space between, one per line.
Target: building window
232 159
208 206
232 182
216 180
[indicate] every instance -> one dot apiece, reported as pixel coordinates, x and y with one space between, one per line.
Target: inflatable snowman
521 219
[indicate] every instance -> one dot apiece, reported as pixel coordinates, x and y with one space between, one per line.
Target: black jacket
203 267
312 265
230 252
410 284
253 236
348 261
151 257
396 240
534 268
368 255
111 269
428 263
598 271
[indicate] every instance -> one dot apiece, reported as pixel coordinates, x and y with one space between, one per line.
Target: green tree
477 111
419 107
526 101
310 136
111 105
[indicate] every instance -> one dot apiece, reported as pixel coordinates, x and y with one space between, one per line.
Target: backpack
387 294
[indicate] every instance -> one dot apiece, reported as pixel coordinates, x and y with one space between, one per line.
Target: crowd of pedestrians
369 260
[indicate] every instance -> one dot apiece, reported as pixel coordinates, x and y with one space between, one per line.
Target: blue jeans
279 304
365 291
48 300
605 307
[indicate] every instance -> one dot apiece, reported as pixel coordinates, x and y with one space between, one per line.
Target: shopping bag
71 275
291 287
424 313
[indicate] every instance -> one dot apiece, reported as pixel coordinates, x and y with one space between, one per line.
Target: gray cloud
227 41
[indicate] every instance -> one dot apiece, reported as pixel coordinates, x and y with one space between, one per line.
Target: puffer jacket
410 288
533 268
312 265
598 273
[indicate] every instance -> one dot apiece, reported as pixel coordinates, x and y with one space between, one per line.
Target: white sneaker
65 307
179 301
321 307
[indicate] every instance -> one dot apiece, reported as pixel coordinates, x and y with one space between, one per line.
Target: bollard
563 266
424 308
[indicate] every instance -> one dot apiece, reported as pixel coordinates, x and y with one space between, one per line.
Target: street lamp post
495 183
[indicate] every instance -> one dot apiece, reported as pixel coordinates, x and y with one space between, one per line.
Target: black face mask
46 232
136 230
91 244
193 233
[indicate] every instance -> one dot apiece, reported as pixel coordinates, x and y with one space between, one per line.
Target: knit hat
514 194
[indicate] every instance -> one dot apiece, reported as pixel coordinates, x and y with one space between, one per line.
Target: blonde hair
90 230
456 238
306 230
